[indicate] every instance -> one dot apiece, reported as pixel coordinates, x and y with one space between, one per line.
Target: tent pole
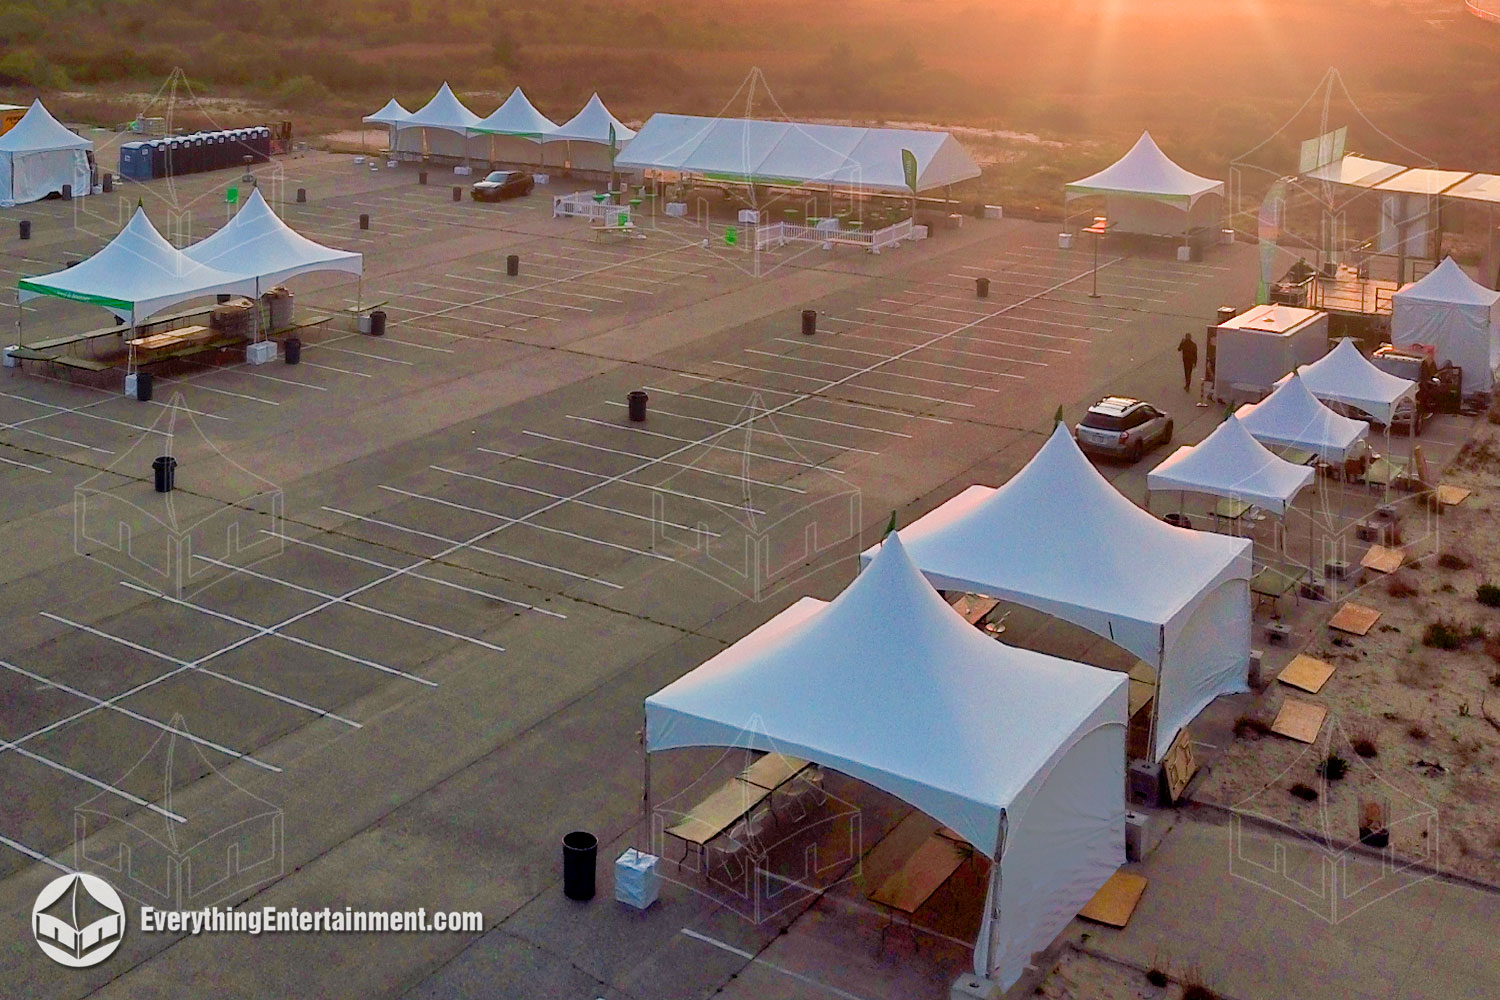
20 318
645 782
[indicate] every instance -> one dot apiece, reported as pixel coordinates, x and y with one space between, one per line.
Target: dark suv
501 184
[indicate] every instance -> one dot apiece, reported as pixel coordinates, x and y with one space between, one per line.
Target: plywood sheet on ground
1299 720
1452 496
1116 899
1356 619
1306 672
1382 559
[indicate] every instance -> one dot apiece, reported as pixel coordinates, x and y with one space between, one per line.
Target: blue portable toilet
135 161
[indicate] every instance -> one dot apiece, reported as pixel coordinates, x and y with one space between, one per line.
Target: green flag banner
909 169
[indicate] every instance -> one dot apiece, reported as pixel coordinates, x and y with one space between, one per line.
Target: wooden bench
923 873
87 364
735 799
627 230
181 337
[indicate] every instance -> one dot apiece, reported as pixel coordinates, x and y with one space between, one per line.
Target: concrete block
1144 780
1184 254
8 360
1256 679
1278 633
994 212
972 987
1064 241
261 352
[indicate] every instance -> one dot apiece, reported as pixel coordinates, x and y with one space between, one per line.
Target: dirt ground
1082 976
1417 724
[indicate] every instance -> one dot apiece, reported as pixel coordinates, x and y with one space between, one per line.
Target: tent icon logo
78 920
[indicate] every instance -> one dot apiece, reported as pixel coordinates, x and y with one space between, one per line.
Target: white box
130 385
542 178
1064 241
1185 254
1226 236
261 352
677 209
637 881
359 161
8 360
994 212
462 171
749 215
362 322
391 164
919 232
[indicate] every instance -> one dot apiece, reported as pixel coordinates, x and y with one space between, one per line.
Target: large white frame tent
392 115
136 275
438 128
1020 753
792 154
1456 315
591 130
1146 193
1059 539
39 155
1292 417
258 244
1347 377
512 133
1229 463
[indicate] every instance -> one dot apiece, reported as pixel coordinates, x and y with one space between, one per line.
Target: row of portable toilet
191 154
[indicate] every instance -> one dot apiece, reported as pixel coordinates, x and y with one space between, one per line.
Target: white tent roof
137 274
1344 375
444 111
889 685
1230 463
1146 172
779 152
517 116
257 244
592 124
392 114
1449 284
1422 180
38 130
1292 417
1477 187
1356 171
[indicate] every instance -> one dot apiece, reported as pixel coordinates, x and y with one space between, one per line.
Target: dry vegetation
1414 707
1053 88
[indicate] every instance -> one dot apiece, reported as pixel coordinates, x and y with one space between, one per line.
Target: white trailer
1256 348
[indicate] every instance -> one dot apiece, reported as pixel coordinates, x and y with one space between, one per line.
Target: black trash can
25 229
377 323
143 387
809 322
291 349
636 402
1178 520
421 177
982 287
458 193
107 182
301 195
364 222
580 854
513 265
221 298
164 470
67 192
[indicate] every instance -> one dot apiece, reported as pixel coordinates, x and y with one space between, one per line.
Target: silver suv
1121 427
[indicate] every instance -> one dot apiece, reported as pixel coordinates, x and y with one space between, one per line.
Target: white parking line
889 411
914 378
865 388
793 416
708 441
372 357
16 845
213 389
596 475
970 369
24 465
637 455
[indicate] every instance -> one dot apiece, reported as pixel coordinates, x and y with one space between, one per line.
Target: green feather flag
890 527
1057 417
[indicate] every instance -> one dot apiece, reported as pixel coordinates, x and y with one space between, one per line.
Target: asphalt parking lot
457 567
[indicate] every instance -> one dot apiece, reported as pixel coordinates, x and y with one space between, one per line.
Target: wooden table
973 607
1274 582
732 800
172 338
908 888
774 770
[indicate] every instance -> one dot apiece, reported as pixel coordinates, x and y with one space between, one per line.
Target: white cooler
637 881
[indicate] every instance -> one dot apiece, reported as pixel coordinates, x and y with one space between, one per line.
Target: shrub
1417 732
1249 727
1305 792
302 91
1157 978
1400 587
1197 991
1365 747
1443 635
1333 767
1452 560
1488 594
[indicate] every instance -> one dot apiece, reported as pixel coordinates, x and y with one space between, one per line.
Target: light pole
1100 226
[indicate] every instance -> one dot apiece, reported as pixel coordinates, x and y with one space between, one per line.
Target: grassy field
1054 88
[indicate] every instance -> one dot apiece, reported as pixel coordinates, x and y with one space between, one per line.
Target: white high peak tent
137 274
1145 192
39 155
749 151
1292 417
1456 315
1060 539
1020 753
392 115
1346 376
1230 463
257 244
513 132
438 127
591 128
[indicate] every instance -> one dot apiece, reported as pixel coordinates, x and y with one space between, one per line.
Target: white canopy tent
512 133
1145 192
439 128
392 115
1456 315
1060 539
590 130
1346 376
748 151
39 155
1292 417
1230 463
1021 754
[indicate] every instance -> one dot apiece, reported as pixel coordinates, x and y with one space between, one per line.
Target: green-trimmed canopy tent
1146 193
797 154
512 133
588 136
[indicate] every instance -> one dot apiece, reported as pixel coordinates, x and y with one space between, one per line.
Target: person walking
1189 351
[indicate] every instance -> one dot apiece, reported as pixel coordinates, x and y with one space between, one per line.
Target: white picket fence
581 205
781 233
